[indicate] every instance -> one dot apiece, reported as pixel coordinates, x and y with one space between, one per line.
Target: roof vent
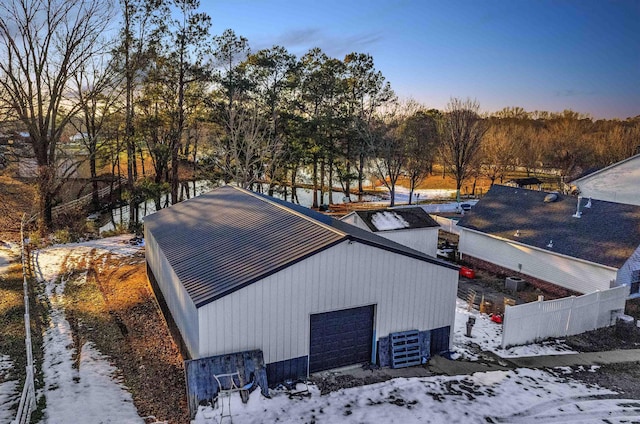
588 205
517 233
551 197
550 245
578 213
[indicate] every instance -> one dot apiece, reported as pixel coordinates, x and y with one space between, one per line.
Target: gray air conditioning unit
514 284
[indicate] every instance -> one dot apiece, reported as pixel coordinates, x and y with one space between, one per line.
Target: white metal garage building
239 271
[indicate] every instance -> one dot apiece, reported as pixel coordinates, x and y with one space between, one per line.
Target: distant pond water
120 215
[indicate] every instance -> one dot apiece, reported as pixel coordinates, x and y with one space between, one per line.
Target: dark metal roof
414 217
523 182
229 238
607 233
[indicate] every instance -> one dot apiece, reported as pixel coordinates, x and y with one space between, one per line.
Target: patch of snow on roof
388 221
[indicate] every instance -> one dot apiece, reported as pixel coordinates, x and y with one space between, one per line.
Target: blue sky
549 55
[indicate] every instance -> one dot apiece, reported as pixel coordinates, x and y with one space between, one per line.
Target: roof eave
540 249
408 252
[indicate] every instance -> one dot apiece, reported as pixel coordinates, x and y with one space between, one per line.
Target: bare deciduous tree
97 94
462 130
420 136
249 146
43 43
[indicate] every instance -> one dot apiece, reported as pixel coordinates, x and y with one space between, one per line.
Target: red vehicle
467 272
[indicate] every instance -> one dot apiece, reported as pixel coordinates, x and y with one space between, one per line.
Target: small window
635 282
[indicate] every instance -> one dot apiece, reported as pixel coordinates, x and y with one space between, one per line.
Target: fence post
538 315
569 316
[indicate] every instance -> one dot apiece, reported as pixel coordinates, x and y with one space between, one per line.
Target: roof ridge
606 168
291 211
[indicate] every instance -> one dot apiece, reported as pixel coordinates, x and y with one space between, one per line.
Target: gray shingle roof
607 233
414 217
229 238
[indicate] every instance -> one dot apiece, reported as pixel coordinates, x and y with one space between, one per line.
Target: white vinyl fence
562 317
28 397
447 224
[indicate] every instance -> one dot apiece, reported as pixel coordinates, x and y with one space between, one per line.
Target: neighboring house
525 183
411 226
72 159
235 271
541 238
619 182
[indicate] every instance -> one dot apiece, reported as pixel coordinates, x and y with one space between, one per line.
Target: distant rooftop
396 219
607 233
524 182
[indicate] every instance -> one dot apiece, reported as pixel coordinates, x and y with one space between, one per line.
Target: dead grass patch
12 318
12 332
114 308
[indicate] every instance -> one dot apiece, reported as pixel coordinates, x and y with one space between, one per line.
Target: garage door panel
340 338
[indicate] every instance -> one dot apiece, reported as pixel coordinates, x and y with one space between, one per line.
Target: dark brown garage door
340 338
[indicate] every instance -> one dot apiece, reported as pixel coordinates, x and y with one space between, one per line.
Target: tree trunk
294 194
315 183
360 176
392 192
95 200
330 181
347 183
45 197
322 181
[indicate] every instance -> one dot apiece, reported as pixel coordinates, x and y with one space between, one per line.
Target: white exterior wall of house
617 183
182 308
274 314
570 273
625 272
423 240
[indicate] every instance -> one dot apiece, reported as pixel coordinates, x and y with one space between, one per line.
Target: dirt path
105 327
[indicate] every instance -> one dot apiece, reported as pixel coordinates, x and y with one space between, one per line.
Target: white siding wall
182 308
273 314
424 240
619 183
560 270
624 273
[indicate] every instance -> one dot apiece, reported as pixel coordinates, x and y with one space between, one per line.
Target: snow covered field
89 390
518 396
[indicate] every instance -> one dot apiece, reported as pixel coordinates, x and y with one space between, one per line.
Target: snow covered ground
518 396
487 336
521 395
87 390
92 392
9 391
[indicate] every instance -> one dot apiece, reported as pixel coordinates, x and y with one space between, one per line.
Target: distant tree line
162 90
